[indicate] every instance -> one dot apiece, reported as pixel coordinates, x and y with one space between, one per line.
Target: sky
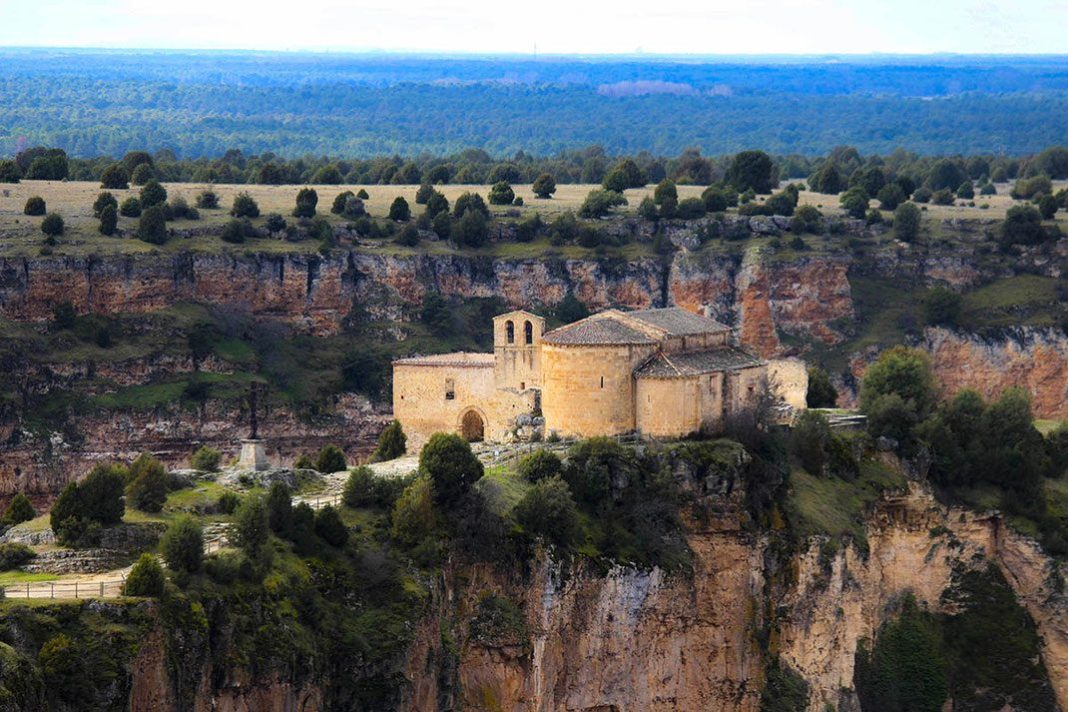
547 26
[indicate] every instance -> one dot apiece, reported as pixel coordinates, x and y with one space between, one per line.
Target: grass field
73 200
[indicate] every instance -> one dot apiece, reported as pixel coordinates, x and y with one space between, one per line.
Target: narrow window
522 385
528 330
509 329
450 389
602 381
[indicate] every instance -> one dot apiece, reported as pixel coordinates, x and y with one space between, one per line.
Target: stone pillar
253 456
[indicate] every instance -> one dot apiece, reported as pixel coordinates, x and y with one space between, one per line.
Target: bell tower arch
517 350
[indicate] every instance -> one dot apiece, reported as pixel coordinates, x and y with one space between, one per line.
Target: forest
93 103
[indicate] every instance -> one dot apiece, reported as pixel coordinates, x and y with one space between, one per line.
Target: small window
450 389
528 332
522 385
509 330
602 381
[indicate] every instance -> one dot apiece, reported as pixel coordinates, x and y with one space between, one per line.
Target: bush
115 177
9 172
471 230
647 209
330 528
501 193
52 225
1022 226
179 210
109 220
235 230
988 189
142 174
251 529
437 205
1028 188
399 210
942 307
228 502
539 465
548 512
811 438
716 199
330 459
244 206
901 371
821 392
544 186
35 206
275 223
152 193
207 200
907 222
890 196
599 203
145 579
452 466
206 459
415 518
359 488
966 190
147 490
102 201
942 197
130 208
152 227
855 201
922 195
307 199
408 236
807 219
14 555
20 510
182 545
1047 206
392 443
751 170
690 208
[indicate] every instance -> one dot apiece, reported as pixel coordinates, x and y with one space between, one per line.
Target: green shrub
501 193
304 462
330 459
415 518
811 437
539 465
942 307
14 555
599 203
498 621
145 579
207 200
244 206
544 186
307 199
152 227
228 502
109 221
115 177
548 512
399 210
279 509
35 206
182 545
251 528
784 690
330 528
52 225
392 443
102 201
152 194
821 392
147 487
690 209
359 487
452 466
20 510
130 208
206 459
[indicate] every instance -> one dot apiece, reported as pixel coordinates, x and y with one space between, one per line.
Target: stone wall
589 390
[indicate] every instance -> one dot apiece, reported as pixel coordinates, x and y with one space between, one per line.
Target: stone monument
253 454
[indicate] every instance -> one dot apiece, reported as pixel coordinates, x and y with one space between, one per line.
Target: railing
66 589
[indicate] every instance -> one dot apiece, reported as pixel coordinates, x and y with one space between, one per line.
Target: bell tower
517 350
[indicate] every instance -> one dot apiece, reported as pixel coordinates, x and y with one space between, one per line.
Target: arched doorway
472 427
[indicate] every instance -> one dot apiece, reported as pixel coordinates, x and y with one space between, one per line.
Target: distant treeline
202 104
840 169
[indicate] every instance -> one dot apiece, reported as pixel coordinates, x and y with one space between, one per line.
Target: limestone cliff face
915 544
632 640
1033 359
40 466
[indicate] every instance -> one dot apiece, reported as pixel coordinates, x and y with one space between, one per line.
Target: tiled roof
460 359
600 329
727 358
677 321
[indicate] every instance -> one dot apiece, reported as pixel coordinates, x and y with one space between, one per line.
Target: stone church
660 372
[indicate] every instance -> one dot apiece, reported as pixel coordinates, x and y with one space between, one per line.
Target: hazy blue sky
553 26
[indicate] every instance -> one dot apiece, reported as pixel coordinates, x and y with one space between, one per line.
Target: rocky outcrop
1035 360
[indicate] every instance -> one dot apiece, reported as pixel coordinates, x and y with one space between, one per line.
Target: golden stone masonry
660 372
